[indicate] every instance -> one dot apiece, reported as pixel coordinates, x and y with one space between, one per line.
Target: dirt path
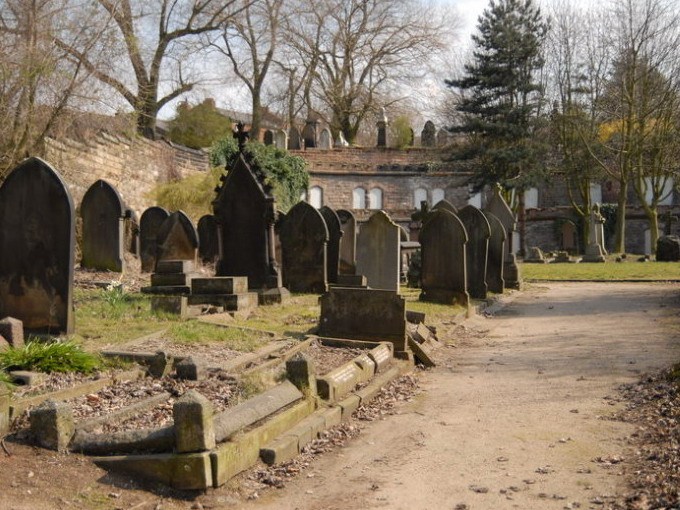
515 416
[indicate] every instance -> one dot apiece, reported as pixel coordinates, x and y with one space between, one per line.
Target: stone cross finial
241 135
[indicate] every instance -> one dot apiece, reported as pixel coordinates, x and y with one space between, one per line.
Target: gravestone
294 139
669 220
378 254
348 242
668 249
207 239
131 235
428 135
303 249
443 255
333 247
309 133
281 139
535 256
245 214
501 210
382 130
325 139
149 223
568 234
496 255
37 246
446 205
177 239
268 137
595 251
442 137
478 231
102 212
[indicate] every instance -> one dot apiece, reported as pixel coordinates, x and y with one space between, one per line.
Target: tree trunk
653 218
620 237
257 115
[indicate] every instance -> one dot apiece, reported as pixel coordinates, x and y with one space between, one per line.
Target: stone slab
332 416
220 285
415 317
337 383
381 356
171 279
12 330
351 280
174 266
174 305
348 406
369 392
168 290
280 450
27 378
230 302
5 397
367 366
422 352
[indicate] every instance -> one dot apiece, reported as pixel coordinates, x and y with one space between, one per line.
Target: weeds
6 380
234 338
49 357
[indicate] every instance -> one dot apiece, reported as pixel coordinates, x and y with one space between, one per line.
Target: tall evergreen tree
501 95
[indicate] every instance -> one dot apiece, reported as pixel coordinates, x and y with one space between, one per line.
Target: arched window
419 195
316 197
358 198
437 195
531 198
375 198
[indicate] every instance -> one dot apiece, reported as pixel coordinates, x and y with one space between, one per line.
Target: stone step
220 285
174 266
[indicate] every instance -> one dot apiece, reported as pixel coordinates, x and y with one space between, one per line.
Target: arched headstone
149 223
428 135
348 242
569 237
501 210
443 273
309 134
445 205
303 249
268 137
333 247
325 139
496 255
131 229
207 239
177 239
102 212
37 245
478 231
442 137
281 139
294 139
378 252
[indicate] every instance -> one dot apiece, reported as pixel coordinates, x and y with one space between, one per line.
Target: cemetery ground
526 408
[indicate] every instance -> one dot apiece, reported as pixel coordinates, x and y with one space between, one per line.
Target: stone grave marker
479 232
303 248
333 247
149 224
442 137
177 239
37 246
568 236
496 255
309 134
208 244
131 232
428 136
294 139
348 242
501 210
446 205
443 273
595 251
378 252
103 212
325 139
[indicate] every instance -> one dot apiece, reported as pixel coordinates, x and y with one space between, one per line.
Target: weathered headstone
149 223
208 249
443 273
535 256
595 251
378 253
496 255
12 330
37 246
131 232
309 133
382 130
428 135
442 137
668 249
333 247
245 215
568 234
103 213
303 248
325 139
294 139
348 242
177 239
268 137
501 210
479 232
446 205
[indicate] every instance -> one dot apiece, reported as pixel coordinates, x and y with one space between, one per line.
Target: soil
521 412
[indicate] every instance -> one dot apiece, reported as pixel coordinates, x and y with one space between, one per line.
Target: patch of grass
297 316
610 270
202 333
432 311
6 380
49 357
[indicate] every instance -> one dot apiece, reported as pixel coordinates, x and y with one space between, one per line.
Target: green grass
6 380
432 311
194 332
49 357
295 317
610 270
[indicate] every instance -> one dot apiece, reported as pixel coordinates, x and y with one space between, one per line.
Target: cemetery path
514 416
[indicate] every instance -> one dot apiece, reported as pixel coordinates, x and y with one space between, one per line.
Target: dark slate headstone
333 247
294 139
177 239
268 137
37 246
443 273
309 134
428 136
149 223
102 212
378 252
496 255
668 249
501 210
207 239
131 234
348 242
303 249
478 231
446 205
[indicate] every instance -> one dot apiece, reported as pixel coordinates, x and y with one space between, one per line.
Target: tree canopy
199 126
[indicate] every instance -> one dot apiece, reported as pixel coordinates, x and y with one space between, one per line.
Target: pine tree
500 94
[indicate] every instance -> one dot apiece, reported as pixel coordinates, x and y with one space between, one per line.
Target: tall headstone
428 136
149 223
177 239
478 230
446 205
442 137
102 212
131 232
382 130
245 212
325 139
333 247
303 249
294 139
443 273
595 251
207 239
378 252
496 255
309 133
37 246
501 210
348 242
569 237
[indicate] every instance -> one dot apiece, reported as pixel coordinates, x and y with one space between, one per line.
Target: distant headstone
309 133
131 232
479 232
496 255
268 137
348 242
326 139
445 205
281 139
568 239
294 139
102 212
501 210
37 246
208 249
595 251
443 271
382 130
668 249
442 137
333 247
177 239
378 253
303 249
149 223
535 256
428 135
